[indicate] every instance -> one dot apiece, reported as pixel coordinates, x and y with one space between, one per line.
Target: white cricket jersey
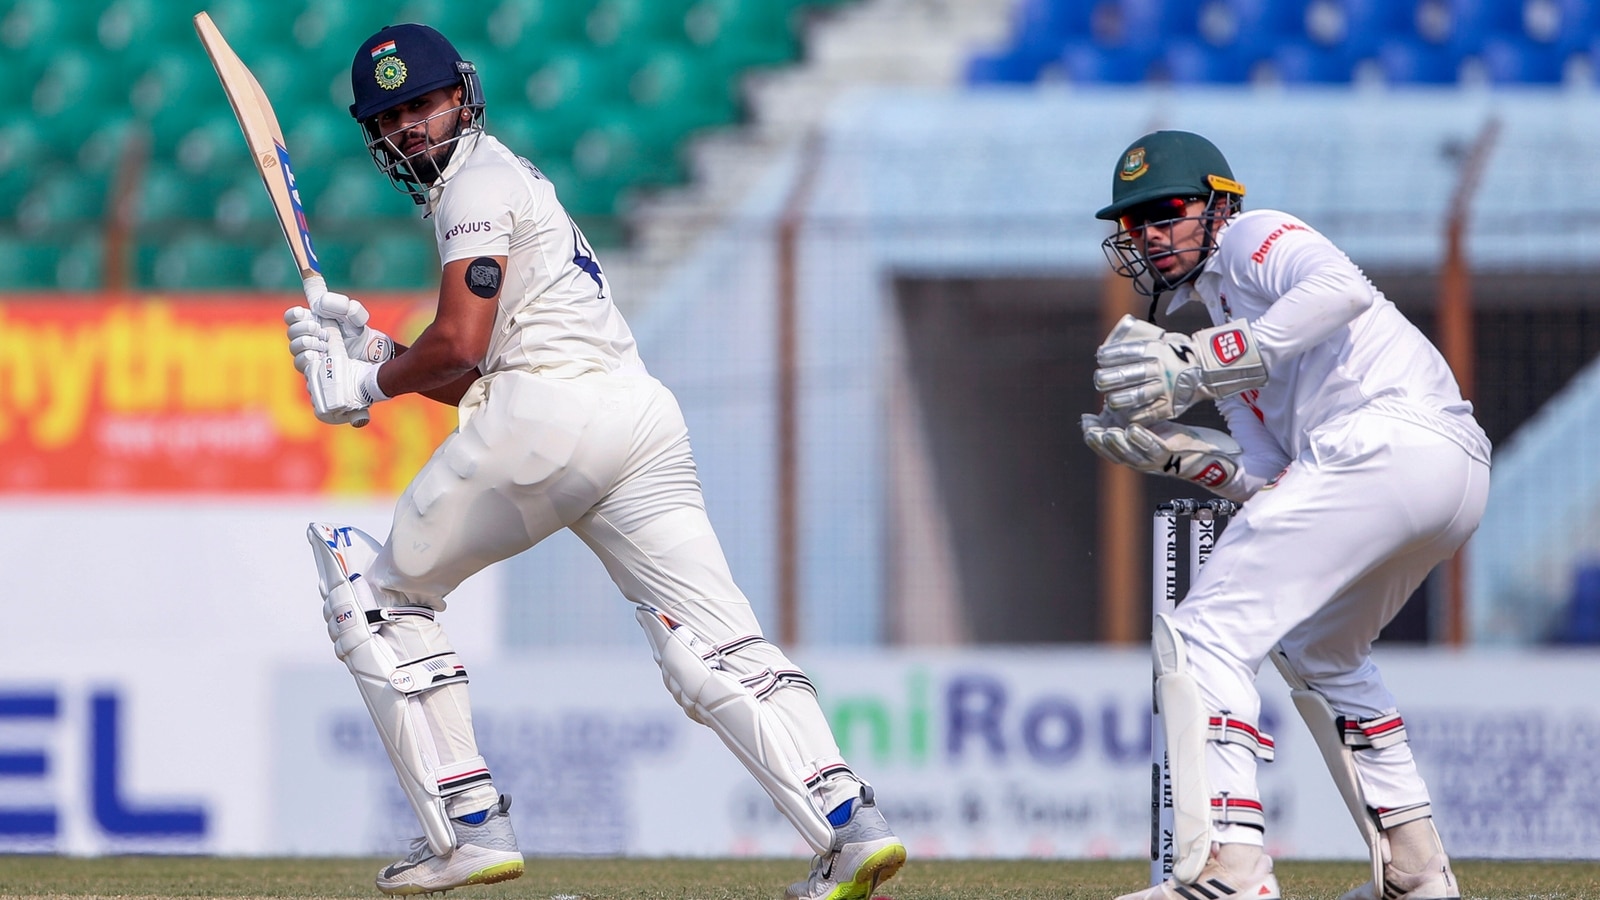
1331 342
556 314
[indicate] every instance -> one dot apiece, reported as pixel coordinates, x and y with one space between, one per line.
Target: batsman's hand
1204 456
341 388
1150 375
347 314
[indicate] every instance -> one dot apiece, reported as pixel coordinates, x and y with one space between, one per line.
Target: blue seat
1301 62
1195 62
1415 62
1475 22
1520 61
1370 24
1258 26
1145 23
1016 65
1052 20
1084 63
1581 622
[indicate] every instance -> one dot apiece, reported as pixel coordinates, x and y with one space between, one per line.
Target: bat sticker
483 277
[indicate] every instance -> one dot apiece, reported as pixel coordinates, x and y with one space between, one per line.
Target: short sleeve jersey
556 314
1331 341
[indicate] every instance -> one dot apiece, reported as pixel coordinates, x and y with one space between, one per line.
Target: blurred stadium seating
1292 41
604 94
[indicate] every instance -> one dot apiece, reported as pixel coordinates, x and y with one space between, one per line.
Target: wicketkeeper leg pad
1188 725
733 707
1337 738
407 673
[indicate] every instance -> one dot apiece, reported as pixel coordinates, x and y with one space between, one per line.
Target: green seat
78 81
81 265
519 24
534 136
251 25
272 269
674 85
196 260
170 194
61 198
461 22
636 23
396 260
49 24
740 34
574 80
355 192
28 264
241 204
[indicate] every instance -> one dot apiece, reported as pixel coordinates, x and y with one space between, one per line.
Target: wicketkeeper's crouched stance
1362 467
561 427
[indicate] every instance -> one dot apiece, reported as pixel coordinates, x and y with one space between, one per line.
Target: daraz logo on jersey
466 228
1260 256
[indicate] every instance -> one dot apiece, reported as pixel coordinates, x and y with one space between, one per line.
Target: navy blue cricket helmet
399 64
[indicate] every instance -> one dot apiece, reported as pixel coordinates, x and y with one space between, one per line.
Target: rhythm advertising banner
157 395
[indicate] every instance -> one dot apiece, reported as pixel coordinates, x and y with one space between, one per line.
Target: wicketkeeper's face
1170 233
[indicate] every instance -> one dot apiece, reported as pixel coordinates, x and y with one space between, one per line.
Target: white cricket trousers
1320 562
606 456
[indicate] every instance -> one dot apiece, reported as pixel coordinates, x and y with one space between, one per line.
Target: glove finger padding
342 310
306 339
1106 436
351 317
1204 456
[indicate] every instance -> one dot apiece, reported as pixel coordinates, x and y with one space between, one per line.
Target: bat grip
315 286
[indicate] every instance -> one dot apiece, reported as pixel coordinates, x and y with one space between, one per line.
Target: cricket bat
265 139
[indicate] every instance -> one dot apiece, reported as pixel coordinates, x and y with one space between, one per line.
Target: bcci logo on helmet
390 73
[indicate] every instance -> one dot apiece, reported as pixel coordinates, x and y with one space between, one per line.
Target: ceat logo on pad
1228 346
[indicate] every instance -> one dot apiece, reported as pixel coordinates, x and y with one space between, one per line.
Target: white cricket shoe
1217 882
1434 882
485 853
865 854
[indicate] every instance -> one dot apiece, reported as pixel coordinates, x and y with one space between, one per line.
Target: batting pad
399 655
1186 723
716 699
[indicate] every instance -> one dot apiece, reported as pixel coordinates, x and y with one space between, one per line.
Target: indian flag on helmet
383 49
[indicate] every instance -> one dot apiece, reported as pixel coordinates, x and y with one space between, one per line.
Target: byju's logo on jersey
1228 346
466 228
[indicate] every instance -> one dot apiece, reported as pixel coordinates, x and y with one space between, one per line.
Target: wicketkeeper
561 427
1360 468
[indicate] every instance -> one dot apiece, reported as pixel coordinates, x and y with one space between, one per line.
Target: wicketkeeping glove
1205 456
1150 375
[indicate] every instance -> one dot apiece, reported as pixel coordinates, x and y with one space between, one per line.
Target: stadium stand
121 102
1290 41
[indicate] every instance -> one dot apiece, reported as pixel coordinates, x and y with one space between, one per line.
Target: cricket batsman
1360 468
561 427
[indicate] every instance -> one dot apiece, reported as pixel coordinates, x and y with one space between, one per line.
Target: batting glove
1150 375
1204 456
341 388
360 340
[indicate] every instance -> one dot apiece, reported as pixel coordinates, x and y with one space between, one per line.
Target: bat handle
315 286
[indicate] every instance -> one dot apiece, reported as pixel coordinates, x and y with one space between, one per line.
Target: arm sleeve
1318 289
1262 459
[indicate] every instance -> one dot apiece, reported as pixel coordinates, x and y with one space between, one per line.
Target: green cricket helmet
1155 175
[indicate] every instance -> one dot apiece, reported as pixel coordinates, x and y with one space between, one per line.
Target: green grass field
639 879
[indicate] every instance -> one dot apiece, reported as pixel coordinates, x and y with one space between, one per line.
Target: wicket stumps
1204 520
